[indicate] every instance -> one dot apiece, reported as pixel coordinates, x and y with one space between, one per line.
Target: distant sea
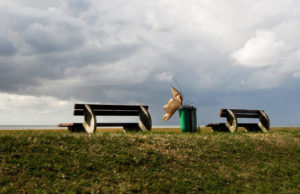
38 127
26 127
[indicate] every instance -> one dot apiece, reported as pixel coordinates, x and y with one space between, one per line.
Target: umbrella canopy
174 103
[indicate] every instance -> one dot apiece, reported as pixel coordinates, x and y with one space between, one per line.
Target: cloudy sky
237 54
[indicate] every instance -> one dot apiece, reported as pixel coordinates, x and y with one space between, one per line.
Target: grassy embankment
37 161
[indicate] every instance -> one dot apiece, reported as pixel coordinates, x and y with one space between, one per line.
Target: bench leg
250 127
145 119
264 122
231 121
90 123
76 128
131 128
218 127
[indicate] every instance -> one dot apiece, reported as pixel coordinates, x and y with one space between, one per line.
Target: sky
219 54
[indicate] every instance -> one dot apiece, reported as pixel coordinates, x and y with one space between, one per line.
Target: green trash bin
188 118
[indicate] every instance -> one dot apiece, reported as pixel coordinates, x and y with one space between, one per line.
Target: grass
163 161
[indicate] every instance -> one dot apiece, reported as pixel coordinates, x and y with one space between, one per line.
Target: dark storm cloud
76 7
7 47
48 39
19 18
235 54
26 74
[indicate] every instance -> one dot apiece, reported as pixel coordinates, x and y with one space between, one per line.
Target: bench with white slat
232 122
90 111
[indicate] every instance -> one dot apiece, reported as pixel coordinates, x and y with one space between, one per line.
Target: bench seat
78 127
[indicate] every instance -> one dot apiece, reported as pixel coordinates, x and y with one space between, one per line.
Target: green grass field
163 161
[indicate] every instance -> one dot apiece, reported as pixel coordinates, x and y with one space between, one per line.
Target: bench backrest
110 110
241 113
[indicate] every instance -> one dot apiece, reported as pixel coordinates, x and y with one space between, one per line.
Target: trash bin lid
187 107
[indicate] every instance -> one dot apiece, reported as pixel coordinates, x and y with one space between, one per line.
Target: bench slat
110 107
247 124
223 110
115 124
98 124
109 112
242 115
65 125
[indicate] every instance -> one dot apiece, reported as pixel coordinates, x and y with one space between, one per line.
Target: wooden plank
247 125
240 111
110 107
115 124
241 115
65 125
109 112
98 124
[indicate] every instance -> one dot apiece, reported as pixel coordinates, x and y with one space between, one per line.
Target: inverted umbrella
174 103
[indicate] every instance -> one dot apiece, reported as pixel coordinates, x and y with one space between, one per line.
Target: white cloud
43 110
296 75
164 76
260 51
33 110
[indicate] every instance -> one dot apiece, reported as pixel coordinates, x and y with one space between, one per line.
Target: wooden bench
232 122
90 111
